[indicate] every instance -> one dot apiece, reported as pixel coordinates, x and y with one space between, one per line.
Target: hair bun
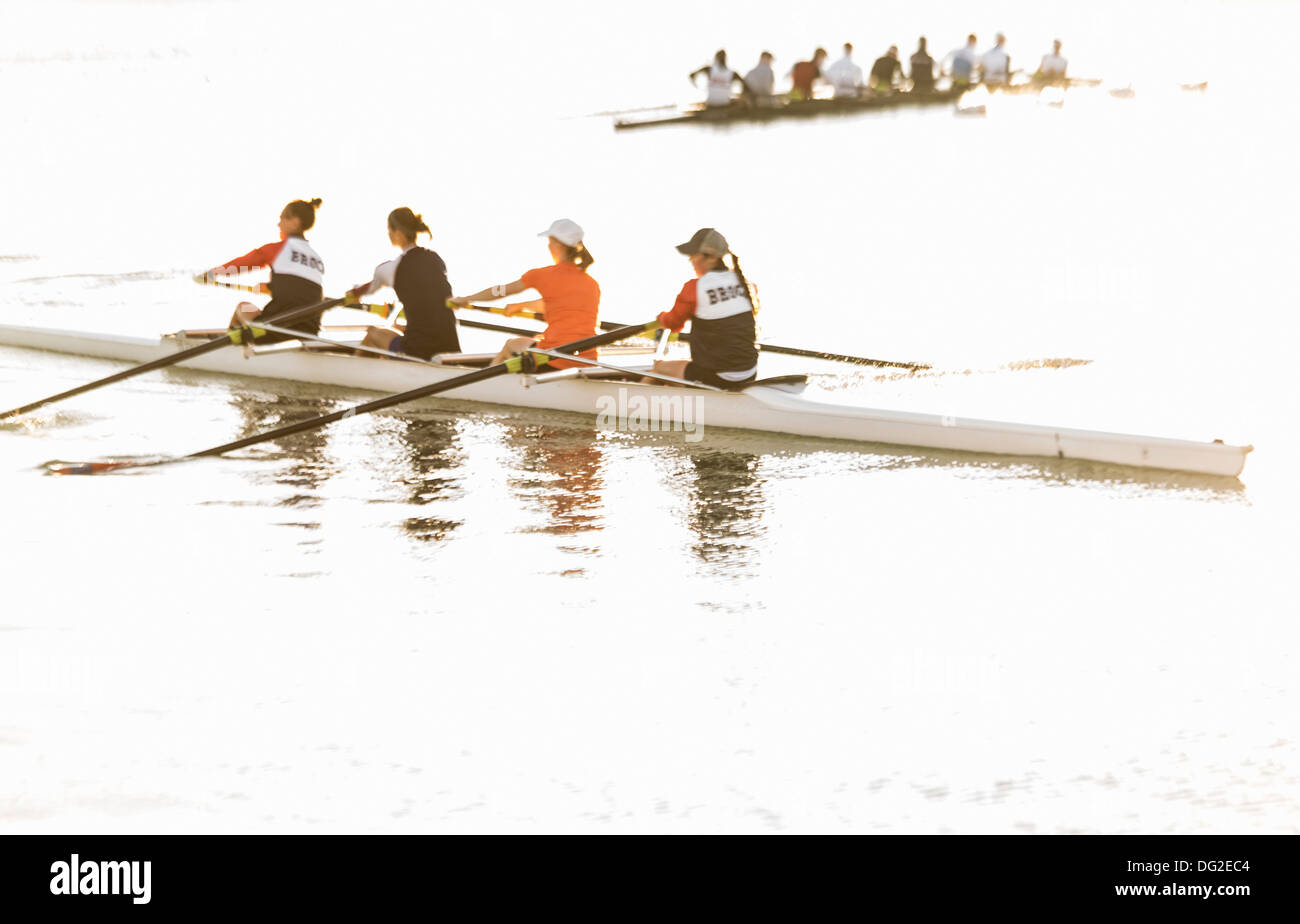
314 203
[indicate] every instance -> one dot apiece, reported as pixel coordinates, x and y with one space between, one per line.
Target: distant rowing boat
726 115
774 406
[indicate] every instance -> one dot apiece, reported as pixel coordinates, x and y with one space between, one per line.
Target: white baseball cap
565 231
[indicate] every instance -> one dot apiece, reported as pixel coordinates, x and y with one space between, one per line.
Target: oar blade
60 467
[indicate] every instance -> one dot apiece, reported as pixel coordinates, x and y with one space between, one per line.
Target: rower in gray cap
720 304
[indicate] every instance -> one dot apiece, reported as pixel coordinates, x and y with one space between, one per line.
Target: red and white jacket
297 276
722 324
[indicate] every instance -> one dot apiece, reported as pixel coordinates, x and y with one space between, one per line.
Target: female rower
419 277
296 271
721 78
720 307
570 297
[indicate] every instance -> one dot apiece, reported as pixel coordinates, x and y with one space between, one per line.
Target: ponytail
750 289
304 211
579 255
407 222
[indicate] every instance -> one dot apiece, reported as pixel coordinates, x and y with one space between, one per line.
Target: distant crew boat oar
234 335
513 364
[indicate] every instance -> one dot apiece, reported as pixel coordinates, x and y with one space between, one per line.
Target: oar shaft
376 405
119 376
232 336
838 357
603 325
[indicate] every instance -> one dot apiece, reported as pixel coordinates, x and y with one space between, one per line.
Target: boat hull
796 110
760 408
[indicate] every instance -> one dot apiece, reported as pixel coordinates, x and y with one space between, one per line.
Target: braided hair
750 289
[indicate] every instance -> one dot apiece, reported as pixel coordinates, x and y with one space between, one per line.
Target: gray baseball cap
706 241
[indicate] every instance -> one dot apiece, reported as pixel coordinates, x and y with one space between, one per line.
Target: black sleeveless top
422 287
296 276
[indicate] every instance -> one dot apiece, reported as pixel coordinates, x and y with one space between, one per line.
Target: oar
619 112
532 316
518 363
384 310
840 357
234 335
766 347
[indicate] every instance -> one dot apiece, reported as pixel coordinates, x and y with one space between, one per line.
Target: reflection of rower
922 69
721 78
844 75
1052 68
804 73
996 63
963 63
557 470
887 72
431 473
726 509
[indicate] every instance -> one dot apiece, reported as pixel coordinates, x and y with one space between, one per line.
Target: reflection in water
726 508
308 467
560 473
433 455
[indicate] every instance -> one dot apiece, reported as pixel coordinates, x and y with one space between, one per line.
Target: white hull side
758 408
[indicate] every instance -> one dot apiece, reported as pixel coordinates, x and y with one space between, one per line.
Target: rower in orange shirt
570 299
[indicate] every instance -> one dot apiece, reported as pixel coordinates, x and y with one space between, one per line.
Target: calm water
457 618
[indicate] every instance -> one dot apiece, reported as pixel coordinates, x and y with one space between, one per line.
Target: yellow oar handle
204 279
493 309
262 288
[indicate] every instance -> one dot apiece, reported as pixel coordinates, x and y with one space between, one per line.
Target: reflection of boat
774 407
727 115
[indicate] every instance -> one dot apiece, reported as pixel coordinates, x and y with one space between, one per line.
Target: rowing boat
774 406
726 115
